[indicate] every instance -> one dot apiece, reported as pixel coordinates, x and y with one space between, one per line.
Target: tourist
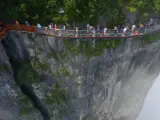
49 26
88 28
52 25
141 28
76 31
98 28
27 23
124 30
133 28
151 22
105 31
17 23
94 31
38 25
55 27
119 28
115 29
135 32
64 27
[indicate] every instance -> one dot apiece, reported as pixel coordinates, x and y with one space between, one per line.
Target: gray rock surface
108 85
11 100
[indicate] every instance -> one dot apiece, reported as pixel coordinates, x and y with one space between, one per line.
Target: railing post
94 42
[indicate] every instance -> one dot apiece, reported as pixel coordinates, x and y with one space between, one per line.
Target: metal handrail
82 33
76 33
109 32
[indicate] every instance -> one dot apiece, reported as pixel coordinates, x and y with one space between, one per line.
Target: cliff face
76 79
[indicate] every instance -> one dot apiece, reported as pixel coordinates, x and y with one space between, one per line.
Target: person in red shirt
135 32
55 27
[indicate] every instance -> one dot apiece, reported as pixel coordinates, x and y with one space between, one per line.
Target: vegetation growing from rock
88 49
150 37
61 72
29 72
24 72
40 66
3 67
56 96
26 107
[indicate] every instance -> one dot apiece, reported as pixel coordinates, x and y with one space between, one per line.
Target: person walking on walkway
55 27
105 31
124 31
49 26
38 25
98 30
88 28
115 30
133 28
94 32
76 31
141 28
27 23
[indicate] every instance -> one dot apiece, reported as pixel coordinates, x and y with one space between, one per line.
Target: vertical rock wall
82 80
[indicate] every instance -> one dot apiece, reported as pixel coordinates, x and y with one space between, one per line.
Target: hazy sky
151 107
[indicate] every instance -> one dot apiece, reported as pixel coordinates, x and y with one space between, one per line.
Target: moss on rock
56 96
39 65
26 107
88 49
150 37
24 72
3 67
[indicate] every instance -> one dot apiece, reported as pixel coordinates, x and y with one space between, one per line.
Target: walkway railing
82 33
76 33
90 33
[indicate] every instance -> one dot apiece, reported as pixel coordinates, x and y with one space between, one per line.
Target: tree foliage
78 11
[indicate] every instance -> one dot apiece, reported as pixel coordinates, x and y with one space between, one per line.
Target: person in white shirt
133 27
38 25
88 26
50 27
76 31
64 27
105 31
124 31
115 30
